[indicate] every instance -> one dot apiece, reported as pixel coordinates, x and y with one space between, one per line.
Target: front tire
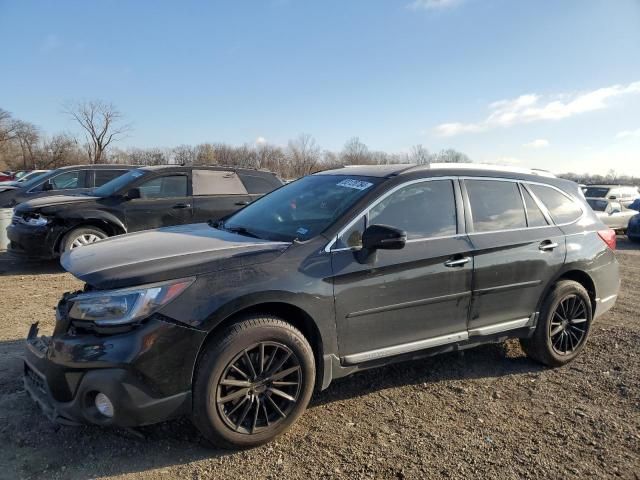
81 236
563 326
252 382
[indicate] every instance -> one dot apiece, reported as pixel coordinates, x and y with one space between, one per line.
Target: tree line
24 146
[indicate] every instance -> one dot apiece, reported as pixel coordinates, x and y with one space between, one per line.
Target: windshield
596 192
117 183
598 205
31 176
302 209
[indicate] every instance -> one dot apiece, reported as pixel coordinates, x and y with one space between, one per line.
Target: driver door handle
457 262
547 245
243 203
182 205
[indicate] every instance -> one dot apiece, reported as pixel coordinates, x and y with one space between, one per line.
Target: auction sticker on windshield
353 183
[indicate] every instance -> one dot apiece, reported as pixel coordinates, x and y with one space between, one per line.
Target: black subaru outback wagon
235 322
141 199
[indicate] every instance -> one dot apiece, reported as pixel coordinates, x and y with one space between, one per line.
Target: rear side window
535 217
217 182
104 176
165 187
495 205
259 184
596 192
560 206
425 209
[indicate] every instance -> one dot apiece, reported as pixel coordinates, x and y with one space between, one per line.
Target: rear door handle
547 245
182 205
457 262
243 203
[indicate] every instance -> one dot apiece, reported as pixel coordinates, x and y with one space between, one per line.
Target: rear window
495 205
560 206
259 184
596 192
597 205
104 176
217 182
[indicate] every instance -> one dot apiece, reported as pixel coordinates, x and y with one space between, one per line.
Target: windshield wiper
241 230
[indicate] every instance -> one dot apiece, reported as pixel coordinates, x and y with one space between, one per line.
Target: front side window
561 207
164 187
423 210
68 180
495 205
301 209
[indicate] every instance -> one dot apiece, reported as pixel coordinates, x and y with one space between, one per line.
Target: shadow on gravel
15 265
486 361
90 452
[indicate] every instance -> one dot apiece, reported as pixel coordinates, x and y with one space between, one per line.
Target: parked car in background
633 230
236 322
5 176
21 180
68 180
612 213
141 199
623 194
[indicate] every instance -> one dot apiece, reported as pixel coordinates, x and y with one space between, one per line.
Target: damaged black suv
235 322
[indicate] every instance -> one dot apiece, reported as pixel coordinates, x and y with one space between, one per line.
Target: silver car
612 213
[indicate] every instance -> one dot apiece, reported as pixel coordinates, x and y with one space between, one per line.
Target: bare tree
102 123
303 155
451 156
27 135
420 155
7 126
355 153
60 150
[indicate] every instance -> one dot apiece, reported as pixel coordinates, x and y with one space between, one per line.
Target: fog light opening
104 405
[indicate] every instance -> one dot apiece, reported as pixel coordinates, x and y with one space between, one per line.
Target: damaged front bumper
144 372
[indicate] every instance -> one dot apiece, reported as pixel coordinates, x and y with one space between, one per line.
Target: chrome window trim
523 183
367 209
541 205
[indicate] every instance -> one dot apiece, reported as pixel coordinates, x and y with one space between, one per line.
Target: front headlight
116 307
36 220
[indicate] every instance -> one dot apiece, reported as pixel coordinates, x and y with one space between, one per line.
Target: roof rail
488 166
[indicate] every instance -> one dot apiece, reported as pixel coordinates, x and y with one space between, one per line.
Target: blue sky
547 84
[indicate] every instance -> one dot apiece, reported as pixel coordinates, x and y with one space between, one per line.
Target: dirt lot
489 413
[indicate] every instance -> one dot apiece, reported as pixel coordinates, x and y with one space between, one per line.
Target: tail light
608 236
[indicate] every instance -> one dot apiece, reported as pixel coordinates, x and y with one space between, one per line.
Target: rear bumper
146 379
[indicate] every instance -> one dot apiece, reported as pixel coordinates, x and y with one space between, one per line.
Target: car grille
34 379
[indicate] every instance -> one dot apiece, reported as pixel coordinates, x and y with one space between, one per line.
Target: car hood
54 200
165 254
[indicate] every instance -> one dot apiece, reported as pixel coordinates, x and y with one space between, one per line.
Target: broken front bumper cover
133 402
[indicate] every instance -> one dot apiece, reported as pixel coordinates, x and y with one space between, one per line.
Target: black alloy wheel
568 327
259 388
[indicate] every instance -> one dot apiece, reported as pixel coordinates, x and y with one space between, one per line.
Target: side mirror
47 186
133 194
383 237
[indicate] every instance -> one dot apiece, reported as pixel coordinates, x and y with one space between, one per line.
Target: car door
410 299
517 251
216 194
165 200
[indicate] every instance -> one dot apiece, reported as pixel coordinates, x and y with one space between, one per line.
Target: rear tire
252 382
81 236
563 326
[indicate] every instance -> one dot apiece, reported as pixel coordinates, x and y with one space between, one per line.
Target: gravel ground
487 413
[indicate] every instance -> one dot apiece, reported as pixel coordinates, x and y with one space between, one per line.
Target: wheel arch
579 276
110 227
288 312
